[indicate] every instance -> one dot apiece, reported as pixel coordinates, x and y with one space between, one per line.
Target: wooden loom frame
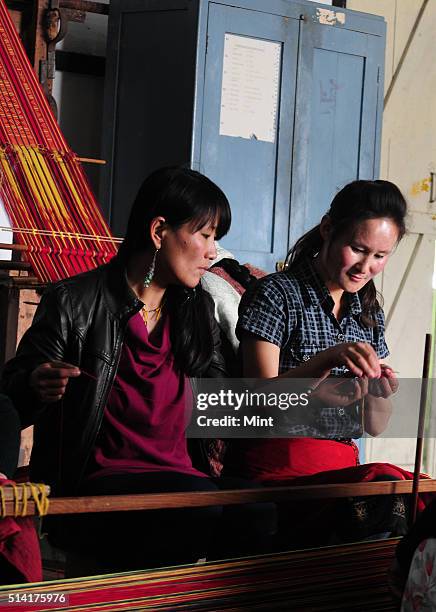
197 499
349 565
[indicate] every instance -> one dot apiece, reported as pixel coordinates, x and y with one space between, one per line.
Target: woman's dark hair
180 195
356 202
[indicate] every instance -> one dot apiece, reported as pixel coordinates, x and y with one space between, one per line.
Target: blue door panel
337 132
254 174
333 147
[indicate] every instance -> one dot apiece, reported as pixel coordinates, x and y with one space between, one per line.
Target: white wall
408 157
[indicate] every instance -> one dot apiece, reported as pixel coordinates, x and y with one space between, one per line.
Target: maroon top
143 428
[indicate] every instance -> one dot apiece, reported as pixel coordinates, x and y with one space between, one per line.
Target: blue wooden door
337 117
254 173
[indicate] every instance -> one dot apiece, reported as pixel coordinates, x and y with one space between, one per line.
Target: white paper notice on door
250 88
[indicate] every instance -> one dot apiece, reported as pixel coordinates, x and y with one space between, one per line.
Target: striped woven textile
351 577
42 185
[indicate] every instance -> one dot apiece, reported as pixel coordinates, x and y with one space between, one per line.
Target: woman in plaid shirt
320 319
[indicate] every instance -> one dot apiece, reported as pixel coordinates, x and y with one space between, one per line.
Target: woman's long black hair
180 195
356 202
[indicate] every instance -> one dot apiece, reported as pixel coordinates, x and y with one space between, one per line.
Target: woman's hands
371 377
358 357
49 380
340 391
261 360
343 392
386 385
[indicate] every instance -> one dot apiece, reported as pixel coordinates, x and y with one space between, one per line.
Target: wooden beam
85 6
35 42
199 499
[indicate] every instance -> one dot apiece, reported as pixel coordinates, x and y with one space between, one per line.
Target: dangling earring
150 273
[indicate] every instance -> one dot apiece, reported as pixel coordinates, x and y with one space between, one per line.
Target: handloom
42 185
349 577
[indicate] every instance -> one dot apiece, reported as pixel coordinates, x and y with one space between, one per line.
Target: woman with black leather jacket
104 372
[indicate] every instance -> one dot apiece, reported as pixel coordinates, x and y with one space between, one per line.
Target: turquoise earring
150 273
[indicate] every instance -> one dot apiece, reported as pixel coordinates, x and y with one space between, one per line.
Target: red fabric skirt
274 459
309 461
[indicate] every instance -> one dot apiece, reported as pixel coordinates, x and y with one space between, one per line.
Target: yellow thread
40 498
11 178
22 493
24 499
34 230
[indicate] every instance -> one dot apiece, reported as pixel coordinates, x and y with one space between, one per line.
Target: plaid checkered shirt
294 310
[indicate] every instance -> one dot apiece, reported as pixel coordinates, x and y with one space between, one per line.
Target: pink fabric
19 545
224 275
146 415
256 272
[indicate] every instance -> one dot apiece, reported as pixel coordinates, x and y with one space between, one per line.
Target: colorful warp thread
42 184
350 577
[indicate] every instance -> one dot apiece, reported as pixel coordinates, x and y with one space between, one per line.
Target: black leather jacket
82 321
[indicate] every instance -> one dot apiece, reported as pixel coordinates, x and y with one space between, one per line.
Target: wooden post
421 425
9 305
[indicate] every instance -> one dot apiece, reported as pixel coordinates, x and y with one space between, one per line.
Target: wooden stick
421 425
13 247
85 6
89 160
199 499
